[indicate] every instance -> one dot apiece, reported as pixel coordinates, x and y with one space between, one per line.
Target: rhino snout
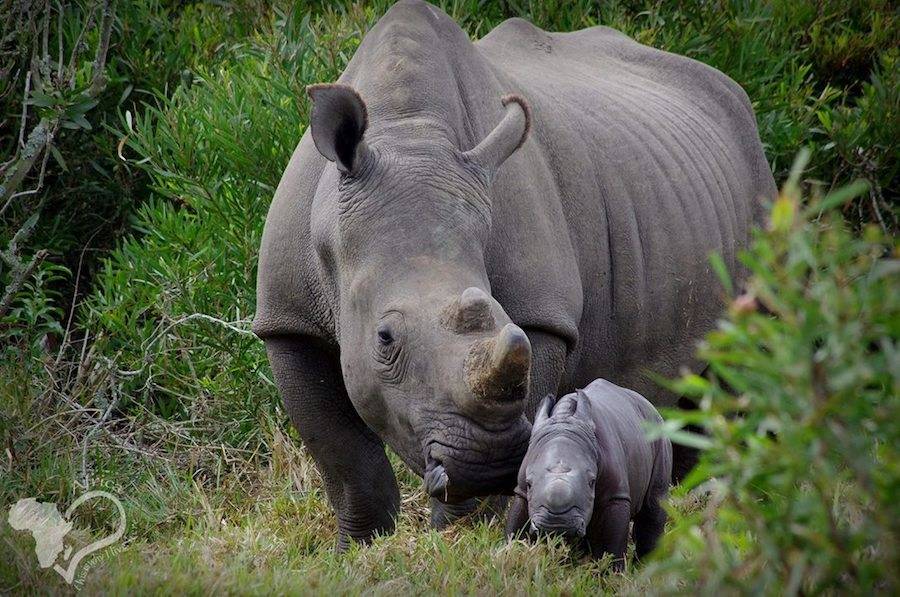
559 496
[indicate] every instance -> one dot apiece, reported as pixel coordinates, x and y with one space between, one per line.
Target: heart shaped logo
49 527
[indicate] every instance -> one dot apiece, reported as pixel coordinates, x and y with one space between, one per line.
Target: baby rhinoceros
590 470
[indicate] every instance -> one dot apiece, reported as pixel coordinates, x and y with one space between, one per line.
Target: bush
802 414
86 192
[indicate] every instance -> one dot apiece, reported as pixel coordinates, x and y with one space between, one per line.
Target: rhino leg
649 525
443 514
548 364
608 532
516 518
358 478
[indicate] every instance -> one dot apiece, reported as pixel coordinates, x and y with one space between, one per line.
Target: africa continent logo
49 527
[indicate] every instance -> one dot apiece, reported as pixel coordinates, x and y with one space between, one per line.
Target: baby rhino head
560 468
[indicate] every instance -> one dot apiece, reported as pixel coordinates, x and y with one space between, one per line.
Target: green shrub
803 417
172 306
88 192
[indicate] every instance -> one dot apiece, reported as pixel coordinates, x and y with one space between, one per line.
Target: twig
24 110
18 279
59 36
37 142
210 318
65 340
45 42
87 437
70 69
98 80
15 196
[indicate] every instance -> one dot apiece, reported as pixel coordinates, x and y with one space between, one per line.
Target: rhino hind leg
684 458
649 525
358 477
650 521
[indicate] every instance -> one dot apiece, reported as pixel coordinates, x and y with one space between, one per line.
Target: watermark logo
49 527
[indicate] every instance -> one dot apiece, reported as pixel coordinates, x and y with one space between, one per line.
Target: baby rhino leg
649 525
608 532
651 520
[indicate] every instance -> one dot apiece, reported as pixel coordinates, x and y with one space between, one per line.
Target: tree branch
37 142
98 81
19 277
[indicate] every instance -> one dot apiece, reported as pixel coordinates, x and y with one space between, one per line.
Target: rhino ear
338 120
506 137
544 410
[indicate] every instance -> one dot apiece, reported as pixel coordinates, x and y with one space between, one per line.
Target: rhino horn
507 136
471 312
498 368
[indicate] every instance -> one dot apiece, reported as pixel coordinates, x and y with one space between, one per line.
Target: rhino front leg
517 517
608 532
358 478
548 363
444 514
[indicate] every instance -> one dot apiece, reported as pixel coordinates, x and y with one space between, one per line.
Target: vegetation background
140 145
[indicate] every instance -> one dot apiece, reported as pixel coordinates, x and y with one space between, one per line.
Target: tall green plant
802 464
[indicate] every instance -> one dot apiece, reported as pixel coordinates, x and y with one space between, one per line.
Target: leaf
42 100
721 270
791 187
81 121
82 106
125 93
691 440
837 198
58 157
783 213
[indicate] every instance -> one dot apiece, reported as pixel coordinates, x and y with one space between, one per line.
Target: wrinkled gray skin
590 470
430 265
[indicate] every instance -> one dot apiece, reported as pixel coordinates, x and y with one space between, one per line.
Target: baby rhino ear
583 408
545 409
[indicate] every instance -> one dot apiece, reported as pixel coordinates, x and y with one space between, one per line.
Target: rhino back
657 162
619 415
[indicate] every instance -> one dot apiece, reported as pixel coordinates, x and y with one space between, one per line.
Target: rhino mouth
464 459
570 523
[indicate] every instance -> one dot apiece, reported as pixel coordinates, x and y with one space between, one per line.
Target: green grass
177 414
276 537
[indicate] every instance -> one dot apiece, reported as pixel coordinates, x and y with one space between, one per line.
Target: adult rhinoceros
466 227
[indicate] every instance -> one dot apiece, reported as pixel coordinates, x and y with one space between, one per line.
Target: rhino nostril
436 478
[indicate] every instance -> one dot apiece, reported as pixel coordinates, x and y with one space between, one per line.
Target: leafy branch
54 96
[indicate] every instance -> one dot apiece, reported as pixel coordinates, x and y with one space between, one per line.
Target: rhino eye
385 336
